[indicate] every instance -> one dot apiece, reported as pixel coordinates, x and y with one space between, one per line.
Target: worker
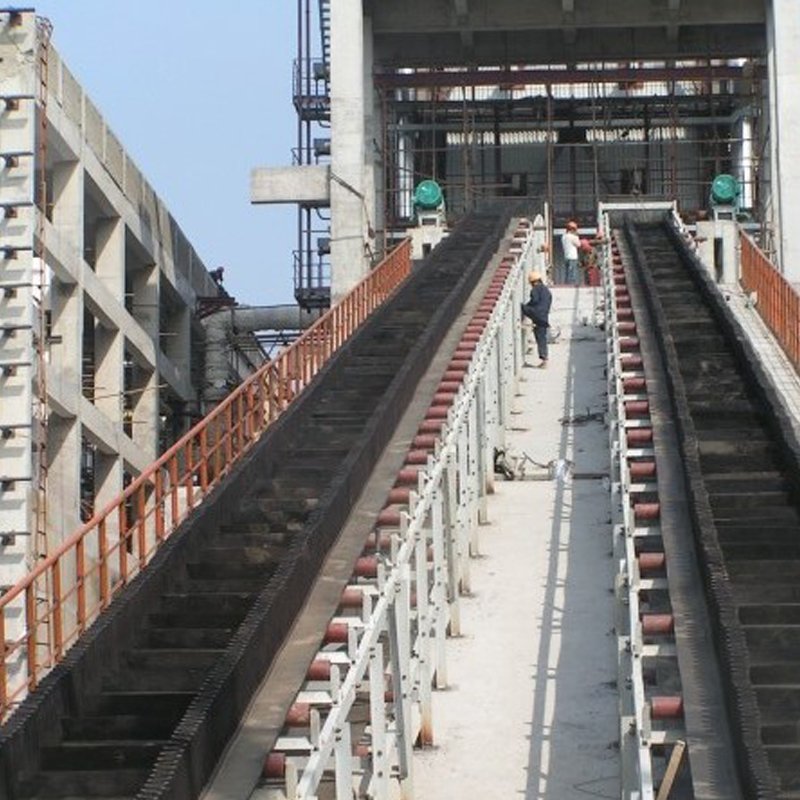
570 242
537 310
588 259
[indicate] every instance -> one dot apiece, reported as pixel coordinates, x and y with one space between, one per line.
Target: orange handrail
65 592
778 301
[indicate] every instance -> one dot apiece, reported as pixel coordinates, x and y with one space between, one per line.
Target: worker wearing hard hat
537 309
570 242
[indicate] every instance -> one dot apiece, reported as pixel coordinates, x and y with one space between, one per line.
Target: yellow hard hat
534 276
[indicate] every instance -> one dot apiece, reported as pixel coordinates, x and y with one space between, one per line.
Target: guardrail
778 302
47 611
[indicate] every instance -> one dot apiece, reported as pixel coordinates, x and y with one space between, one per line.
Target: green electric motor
428 196
725 191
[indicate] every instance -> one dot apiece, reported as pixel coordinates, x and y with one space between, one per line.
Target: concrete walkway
531 711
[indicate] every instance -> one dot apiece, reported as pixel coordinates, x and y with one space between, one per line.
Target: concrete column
350 204
145 414
109 354
783 43
68 203
110 255
66 304
63 478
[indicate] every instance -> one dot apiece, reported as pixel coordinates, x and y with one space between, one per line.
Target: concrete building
100 346
575 103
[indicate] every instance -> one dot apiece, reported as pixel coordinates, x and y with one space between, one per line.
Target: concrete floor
531 711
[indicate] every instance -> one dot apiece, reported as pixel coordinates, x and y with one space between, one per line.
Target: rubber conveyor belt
741 466
143 705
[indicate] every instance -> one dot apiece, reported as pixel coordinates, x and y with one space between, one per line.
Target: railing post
80 569
102 548
56 608
3 668
141 524
31 635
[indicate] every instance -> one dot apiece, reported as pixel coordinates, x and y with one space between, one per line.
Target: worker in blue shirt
537 310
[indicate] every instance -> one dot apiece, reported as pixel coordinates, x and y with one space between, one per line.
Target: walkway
532 707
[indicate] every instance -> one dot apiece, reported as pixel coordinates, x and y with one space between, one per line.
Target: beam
427 80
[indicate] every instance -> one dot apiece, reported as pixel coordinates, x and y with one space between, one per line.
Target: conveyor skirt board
369 700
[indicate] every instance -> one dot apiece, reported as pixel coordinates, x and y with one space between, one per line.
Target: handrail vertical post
80 569
31 634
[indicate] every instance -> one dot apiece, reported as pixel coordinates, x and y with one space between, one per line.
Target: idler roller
399 495
642 469
637 408
443 398
631 362
657 624
352 596
407 476
624 313
417 457
666 707
366 567
319 669
449 386
646 511
389 517
274 766
299 715
636 437
634 385
437 412
424 441
431 426
626 327
337 633
629 343
651 562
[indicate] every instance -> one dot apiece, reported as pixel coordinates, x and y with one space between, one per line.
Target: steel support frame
414 603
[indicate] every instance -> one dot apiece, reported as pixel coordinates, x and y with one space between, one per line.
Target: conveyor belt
144 704
741 465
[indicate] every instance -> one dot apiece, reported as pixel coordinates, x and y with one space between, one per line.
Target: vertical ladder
44 30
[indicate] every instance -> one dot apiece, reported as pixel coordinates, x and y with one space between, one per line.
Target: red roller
437 412
366 567
363 751
637 408
449 386
299 715
336 633
624 313
666 707
417 457
399 496
629 343
470 336
443 399
646 511
431 426
631 362
452 375
657 624
642 469
626 327
425 441
407 476
466 347
651 562
463 353
634 385
274 766
458 364
389 517
352 597
639 436
319 670
477 328
620 290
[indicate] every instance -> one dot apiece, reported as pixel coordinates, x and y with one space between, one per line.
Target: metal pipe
242 319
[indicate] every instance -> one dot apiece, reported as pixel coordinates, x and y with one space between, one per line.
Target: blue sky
199 92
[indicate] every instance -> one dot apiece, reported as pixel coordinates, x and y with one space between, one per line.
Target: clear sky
198 91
